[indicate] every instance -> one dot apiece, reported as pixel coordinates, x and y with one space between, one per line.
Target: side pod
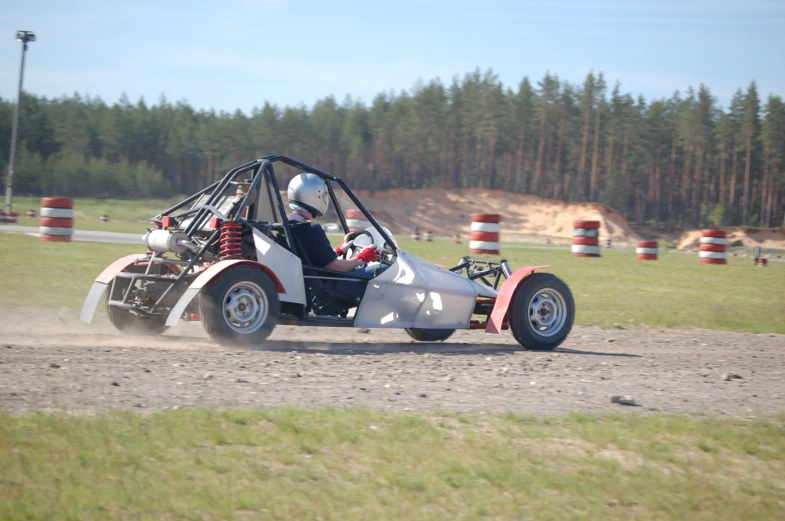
100 284
505 297
208 275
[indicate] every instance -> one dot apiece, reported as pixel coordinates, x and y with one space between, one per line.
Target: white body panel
415 293
287 267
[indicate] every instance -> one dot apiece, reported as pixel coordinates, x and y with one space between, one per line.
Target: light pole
24 37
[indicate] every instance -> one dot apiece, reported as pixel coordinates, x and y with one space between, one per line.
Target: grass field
343 465
615 290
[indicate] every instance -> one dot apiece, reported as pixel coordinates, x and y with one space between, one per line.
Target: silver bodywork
415 293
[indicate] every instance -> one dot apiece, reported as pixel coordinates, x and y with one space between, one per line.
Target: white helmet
309 192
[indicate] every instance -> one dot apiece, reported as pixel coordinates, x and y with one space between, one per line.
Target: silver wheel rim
245 307
547 312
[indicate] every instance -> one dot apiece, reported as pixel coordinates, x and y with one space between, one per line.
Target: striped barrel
586 239
57 219
356 220
427 236
712 247
415 235
646 250
9 217
485 233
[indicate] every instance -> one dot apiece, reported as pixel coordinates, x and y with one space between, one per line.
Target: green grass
359 464
615 290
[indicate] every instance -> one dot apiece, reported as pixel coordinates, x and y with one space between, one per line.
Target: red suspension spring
231 240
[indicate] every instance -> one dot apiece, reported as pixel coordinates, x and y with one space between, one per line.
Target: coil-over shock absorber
231 240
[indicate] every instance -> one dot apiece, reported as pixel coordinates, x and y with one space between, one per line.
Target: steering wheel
349 249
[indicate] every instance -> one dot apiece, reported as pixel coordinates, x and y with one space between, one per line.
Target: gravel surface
51 362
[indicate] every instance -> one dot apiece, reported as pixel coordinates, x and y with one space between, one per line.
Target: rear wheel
430 335
125 320
240 308
541 312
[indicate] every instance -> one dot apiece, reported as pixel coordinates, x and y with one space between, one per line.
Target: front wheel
240 308
541 312
430 335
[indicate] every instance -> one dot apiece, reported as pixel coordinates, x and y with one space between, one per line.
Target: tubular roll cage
260 169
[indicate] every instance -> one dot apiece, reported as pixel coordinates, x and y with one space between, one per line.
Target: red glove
339 249
368 254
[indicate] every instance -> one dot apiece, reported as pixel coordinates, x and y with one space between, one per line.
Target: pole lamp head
25 36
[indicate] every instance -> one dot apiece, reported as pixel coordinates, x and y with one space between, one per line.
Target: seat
320 292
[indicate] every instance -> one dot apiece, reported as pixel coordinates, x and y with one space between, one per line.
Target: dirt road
49 361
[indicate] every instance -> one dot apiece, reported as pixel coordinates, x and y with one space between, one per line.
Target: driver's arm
343 264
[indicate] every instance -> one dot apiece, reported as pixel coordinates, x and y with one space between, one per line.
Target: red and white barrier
712 247
647 250
31 213
57 219
485 233
427 236
415 235
761 262
356 220
105 218
9 217
585 239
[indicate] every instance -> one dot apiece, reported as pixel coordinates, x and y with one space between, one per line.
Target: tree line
683 160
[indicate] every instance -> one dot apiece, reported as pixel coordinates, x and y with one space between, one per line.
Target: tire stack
761 262
485 233
712 247
104 218
31 213
9 217
356 220
427 236
416 235
57 219
586 239
646 250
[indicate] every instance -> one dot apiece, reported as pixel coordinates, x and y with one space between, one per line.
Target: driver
309 198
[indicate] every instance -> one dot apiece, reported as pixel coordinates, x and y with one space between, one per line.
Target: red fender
505 297
117 266
208 274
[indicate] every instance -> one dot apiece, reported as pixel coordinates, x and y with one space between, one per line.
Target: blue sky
240 53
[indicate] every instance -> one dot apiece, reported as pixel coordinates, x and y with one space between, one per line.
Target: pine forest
677 162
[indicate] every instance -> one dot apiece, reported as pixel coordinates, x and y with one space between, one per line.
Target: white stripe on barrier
714 240
711 254
58 213
54 230
582 248
484 245
646 251
586 232
358 223
486 227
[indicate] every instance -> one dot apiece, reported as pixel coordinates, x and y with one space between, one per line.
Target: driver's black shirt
313 240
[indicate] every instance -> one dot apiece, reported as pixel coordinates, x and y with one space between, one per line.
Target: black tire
429 335
541 312
127 322
240 308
